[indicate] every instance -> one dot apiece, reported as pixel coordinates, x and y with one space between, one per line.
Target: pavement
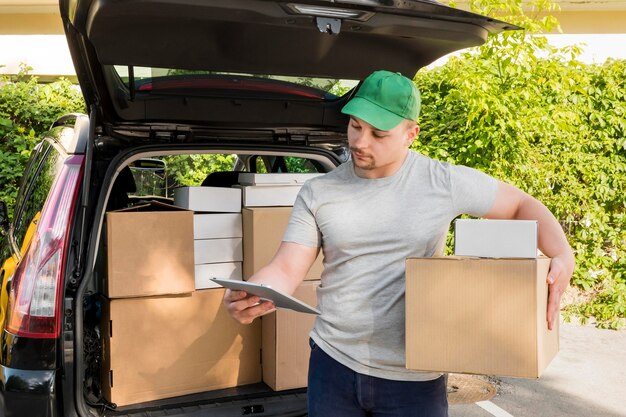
586 379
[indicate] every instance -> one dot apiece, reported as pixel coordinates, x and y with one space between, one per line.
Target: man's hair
409 124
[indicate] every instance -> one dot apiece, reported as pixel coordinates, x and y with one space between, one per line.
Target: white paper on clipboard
266 292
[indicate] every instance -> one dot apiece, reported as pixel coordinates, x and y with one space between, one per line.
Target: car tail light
35 298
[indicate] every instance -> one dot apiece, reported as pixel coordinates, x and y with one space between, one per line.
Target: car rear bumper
26 393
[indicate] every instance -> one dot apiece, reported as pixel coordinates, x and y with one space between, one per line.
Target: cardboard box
149 251
263 230
269 195
478 316
285 342
249 178
495 238
209 251
217 225
161 347
208 199
228 270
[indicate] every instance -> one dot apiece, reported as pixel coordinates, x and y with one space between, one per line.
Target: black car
250 80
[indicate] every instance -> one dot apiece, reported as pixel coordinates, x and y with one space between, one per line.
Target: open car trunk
341 39
220 81
157 338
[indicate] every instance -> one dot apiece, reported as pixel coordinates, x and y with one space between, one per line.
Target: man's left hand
558 280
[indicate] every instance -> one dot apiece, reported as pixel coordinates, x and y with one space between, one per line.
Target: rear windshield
160 175
148 79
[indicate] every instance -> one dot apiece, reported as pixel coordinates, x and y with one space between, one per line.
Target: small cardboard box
263 230
149 251
285 342
209 251
217 225
495 238
208 199
161 347
478 316
269 195
227 270
249 178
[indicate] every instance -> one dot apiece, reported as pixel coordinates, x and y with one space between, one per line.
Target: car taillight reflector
42 303
34 301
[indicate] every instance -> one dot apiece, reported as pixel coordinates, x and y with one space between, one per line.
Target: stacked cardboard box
164 330
218 239
161 347
268 201
264 228
149 251
481 315
495 238
271 190
285 342
160 337
208 199
217 232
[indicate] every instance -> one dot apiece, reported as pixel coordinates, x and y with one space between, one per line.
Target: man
368 215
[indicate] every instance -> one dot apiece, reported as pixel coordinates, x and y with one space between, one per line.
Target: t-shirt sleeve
302 227
473 191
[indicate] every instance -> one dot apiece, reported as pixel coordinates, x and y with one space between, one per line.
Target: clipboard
266 292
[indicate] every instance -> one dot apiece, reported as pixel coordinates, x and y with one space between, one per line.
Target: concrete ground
586 379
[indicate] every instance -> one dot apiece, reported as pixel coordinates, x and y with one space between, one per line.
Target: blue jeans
337 391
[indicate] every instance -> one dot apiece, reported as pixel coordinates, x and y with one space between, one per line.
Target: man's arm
284 273
513 203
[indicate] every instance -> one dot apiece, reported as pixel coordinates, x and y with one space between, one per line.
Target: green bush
27 110
516 108
534 116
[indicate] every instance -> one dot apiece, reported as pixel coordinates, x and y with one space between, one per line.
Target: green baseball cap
385 99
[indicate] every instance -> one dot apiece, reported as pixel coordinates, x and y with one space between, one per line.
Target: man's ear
412 133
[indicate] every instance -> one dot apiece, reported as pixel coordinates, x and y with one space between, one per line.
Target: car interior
145 179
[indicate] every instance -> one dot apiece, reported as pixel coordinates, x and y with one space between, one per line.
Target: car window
283 164
43 169
149 79
149 176
296 164
152 179
37 155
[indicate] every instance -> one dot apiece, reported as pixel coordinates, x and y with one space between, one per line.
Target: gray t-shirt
367 228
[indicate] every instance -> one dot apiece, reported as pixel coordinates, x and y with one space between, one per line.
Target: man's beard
367 163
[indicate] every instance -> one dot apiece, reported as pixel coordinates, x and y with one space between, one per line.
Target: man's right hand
284 273
245 308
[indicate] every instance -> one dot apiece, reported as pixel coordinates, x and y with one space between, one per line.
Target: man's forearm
551 238
288 268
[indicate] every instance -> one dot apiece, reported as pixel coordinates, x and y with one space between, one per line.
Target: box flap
151 206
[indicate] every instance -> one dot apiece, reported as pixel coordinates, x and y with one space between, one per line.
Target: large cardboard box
263 230
269 195
226 270
478 316
495 238
207 251
208 199
285 347
217 225
161 347
149 251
